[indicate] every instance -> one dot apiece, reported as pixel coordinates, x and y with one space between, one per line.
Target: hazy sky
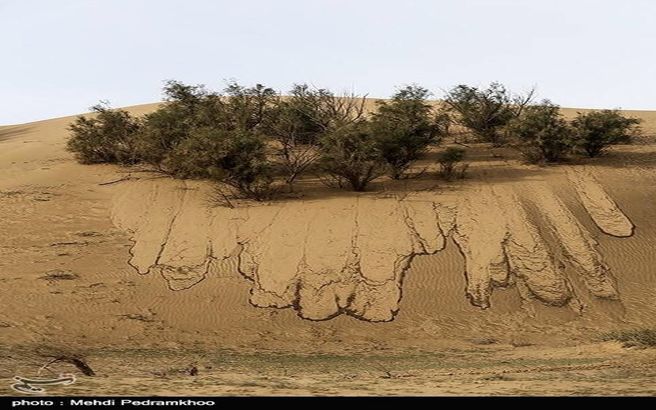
58 57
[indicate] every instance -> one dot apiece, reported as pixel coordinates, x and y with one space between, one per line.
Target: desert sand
502 283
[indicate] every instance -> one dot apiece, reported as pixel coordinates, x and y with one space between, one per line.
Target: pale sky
58 57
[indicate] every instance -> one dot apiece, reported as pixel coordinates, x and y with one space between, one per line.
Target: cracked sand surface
325 257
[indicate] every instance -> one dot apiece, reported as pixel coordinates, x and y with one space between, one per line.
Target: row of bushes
539 130
544 135
245 137
250 137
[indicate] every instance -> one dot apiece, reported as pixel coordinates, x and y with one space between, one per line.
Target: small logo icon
32 386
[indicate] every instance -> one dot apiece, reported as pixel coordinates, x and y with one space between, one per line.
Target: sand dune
98 255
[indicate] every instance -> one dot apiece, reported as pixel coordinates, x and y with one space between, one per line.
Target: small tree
299 123
597 130
405 127
327 110
187 107
486 111
296 125
233 157
450 163
185 95
351 155
198 154
109 136
249 107
543 133
244 165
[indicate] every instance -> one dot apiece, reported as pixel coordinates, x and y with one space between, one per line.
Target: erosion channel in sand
349 254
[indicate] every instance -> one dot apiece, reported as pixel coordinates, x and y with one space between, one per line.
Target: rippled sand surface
514 255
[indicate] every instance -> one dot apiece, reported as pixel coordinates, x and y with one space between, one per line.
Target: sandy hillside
504 282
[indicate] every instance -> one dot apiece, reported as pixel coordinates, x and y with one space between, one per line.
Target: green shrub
543 133
187 107
326 109
202 134
629 338
233 157
248 108
315 124
244 165
195 156
450 161
193 107
404 127
486 112
109 136
351 155
296 124
597 130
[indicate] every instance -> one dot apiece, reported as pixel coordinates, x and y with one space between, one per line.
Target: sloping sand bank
501 283
348 254
510 256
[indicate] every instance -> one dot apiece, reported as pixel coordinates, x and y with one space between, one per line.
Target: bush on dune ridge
486 112
110 136
405 126
542 133
351 156
597 130
298 123
252 139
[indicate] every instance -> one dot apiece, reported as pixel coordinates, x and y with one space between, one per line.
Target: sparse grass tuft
484 341
60 275
636 337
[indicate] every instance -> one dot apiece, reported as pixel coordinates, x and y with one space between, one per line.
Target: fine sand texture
504 282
